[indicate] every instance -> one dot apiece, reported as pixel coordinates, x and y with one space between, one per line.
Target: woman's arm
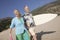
28 24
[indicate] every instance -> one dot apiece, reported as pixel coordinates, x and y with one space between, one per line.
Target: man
29 21
18 23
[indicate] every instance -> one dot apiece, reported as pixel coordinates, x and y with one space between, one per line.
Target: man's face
16 12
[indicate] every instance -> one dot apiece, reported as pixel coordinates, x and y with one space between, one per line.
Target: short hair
17 10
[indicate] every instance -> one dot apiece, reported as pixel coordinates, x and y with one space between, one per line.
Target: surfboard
43 18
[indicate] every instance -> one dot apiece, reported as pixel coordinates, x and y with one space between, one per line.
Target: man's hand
10 31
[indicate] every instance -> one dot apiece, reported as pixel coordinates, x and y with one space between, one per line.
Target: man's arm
12 26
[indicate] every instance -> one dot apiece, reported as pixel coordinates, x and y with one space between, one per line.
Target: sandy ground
47 31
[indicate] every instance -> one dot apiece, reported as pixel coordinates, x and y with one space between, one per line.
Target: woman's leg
31 30
26 35
19 37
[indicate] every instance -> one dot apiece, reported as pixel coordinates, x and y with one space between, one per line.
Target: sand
47 31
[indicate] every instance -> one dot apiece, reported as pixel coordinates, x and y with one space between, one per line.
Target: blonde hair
26 6
16 10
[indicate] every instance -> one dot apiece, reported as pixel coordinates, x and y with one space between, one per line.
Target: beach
46 31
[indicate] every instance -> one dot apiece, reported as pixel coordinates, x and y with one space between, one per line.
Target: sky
7 6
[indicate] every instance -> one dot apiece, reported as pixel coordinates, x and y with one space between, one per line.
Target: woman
18 23
30 22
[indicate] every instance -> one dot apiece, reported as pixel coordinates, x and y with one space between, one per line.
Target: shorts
23 36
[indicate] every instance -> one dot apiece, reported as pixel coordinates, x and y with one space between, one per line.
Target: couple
18 22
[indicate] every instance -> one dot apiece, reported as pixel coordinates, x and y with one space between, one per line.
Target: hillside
4 23
53 7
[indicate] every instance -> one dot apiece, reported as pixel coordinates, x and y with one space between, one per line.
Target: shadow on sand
39 35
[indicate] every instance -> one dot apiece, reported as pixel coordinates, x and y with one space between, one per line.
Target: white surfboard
43 18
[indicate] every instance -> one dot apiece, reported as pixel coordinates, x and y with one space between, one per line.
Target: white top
28 17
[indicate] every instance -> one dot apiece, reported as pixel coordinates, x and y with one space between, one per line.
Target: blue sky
7 6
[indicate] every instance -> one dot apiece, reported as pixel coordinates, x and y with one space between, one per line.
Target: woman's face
17 13
26 9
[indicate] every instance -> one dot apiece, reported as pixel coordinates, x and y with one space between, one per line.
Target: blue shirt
18 24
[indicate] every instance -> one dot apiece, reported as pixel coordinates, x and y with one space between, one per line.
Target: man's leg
19 37
26 35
